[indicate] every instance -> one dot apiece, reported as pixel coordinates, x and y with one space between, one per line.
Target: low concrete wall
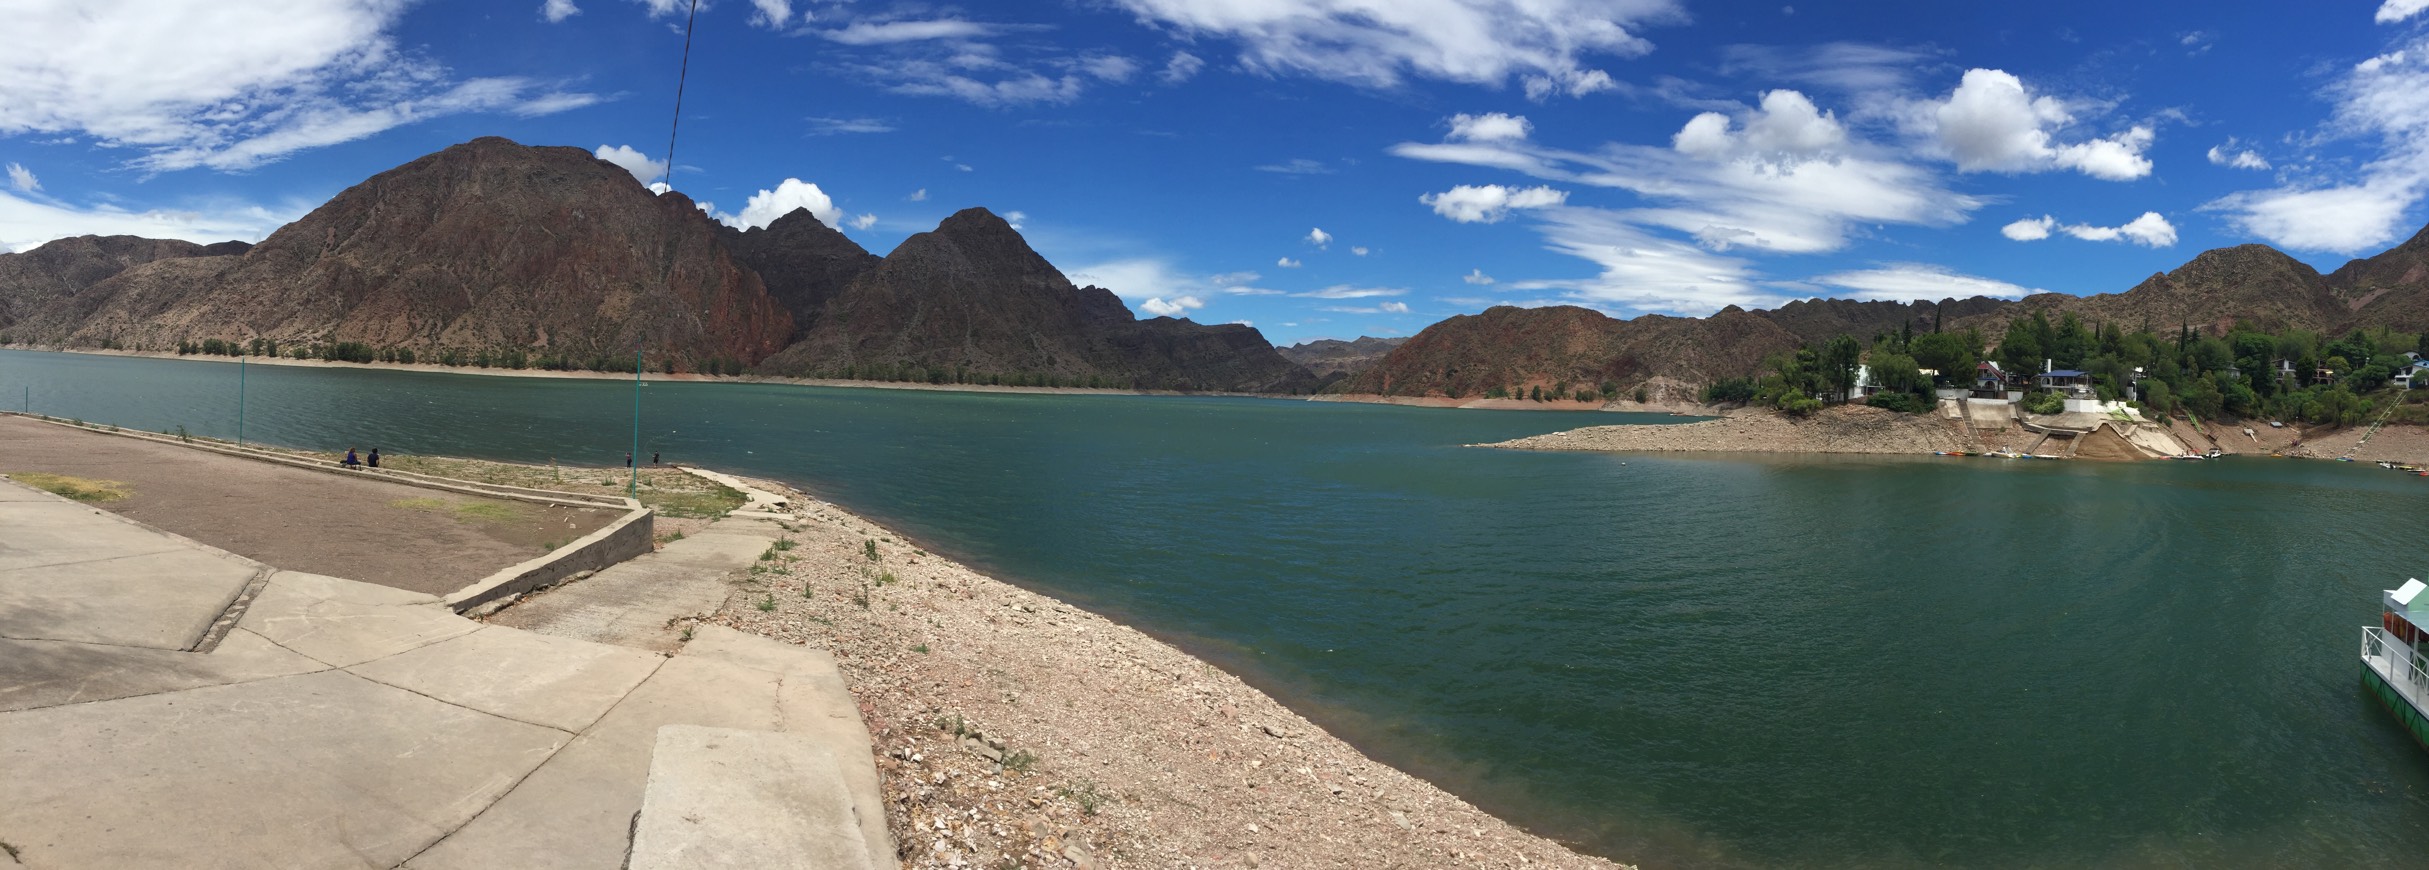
623 539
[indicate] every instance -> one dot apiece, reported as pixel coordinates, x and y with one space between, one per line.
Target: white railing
2402 669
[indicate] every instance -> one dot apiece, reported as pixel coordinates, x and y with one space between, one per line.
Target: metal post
240 401
633 489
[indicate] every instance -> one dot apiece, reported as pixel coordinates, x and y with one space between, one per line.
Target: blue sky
1318 168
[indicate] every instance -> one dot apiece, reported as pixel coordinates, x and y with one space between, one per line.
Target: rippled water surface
1678 661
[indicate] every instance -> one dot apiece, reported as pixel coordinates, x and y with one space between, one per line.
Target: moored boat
2395 657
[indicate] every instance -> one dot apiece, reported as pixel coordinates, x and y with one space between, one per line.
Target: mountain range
492 247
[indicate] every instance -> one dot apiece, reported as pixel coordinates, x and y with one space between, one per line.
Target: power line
680 76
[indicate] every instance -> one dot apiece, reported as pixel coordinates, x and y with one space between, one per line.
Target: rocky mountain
485 246
803 262
970 301
48 275
2391 289
1566 348
2255 284
1814 320
1332 356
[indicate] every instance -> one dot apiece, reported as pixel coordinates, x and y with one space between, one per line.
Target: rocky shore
1017 730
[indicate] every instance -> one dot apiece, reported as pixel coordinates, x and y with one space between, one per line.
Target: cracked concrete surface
341 724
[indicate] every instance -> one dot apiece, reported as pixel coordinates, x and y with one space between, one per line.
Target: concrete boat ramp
167 704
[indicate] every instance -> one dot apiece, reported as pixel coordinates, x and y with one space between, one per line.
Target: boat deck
2399 682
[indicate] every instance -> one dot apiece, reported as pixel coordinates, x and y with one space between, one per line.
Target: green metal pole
240 401
633 489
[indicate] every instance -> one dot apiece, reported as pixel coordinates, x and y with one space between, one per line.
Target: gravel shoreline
1013 729
1844 429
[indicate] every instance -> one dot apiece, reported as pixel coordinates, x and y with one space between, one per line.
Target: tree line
2339 380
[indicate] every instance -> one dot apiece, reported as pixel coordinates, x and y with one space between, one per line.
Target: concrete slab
720 797
577 810
815 703
315 770
344 623
635 603
558 682
69 572
48 673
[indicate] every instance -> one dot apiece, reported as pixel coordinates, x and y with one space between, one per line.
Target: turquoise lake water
1676 661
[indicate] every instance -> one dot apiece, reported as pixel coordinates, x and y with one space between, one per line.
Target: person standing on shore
628 460
653 459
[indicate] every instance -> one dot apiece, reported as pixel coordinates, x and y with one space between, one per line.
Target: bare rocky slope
1566 348
1331 356
970 301
485 246
53 273
803 262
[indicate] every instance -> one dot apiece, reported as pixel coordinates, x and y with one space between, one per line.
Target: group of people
354 462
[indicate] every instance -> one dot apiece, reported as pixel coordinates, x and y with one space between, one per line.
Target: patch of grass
806 592
670 537
466 511
781 545
78 488
920 648
868 547
954 723
1086 795
1020 761
766 605
693 504
687 634
886 578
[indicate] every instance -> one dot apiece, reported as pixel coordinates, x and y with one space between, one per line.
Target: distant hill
1579 348
970 302
1332 356
47 276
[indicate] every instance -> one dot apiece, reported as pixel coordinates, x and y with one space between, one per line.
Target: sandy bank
1117 750
1623 406
1842 429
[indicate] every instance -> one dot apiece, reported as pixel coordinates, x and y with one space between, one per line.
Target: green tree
1840 356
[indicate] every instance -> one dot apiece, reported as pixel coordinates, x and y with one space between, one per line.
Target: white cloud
1112 68
1288 263
2393 11
1359 251
920 195
863 222
2386 98
1490 127
1016 218
766 206
1993 123
1177 306
2150 231
838 126
1182 67
1901 282
2029 229
558 10
1784 177
1233 279
1787 125
1489 203
1477 277
26 223
230 84
1319 238
1345 291
632 160
2239 158
1385 308
1379 43
889 32
1297 166
771 14
22 178
1247 323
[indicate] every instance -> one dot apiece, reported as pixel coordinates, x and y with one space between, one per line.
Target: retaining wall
630 536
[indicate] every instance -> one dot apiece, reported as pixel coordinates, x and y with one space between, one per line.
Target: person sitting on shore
372 461
350 462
